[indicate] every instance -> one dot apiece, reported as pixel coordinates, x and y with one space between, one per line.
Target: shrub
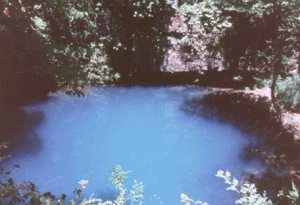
262 82
3 145
27 192
288 92
248 193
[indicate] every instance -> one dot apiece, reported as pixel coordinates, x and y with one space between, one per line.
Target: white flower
83 183
40 23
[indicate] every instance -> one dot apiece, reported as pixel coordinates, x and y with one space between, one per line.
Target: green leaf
47 194
32 187
10 181
68 92
63 197
52 197
43 198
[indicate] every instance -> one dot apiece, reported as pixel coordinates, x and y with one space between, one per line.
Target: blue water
141 129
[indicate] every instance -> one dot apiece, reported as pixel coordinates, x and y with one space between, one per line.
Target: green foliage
24 192
254 34
135 33
78 56
206 26
261 82
258 35
117 178
27 192
293 195
248 193
23 52
3 145
53 37
288 92
78 42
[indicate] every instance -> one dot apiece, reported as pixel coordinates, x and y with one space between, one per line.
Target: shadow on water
253 116
16 127
22 88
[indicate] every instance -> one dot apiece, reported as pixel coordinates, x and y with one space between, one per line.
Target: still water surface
141 129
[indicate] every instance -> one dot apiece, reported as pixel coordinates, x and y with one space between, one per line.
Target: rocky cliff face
187 55
173 61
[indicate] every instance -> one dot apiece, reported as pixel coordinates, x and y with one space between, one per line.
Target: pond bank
251 112
28 88
290 120
209 78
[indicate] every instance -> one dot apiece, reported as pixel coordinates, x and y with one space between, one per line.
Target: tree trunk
277 64
273 97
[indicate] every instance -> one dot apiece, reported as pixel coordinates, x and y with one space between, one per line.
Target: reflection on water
143 130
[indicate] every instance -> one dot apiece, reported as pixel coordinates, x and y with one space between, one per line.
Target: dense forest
77 43
72 44
48 45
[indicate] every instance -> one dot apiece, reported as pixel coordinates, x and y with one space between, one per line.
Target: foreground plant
27 192
117 178
248 193
3 145
288 91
